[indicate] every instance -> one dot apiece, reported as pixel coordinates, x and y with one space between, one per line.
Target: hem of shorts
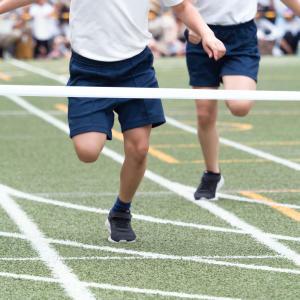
90 129
203 85
239 74
155 122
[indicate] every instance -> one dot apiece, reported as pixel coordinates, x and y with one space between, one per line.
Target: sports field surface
53 243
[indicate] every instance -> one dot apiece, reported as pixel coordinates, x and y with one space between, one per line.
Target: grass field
244 246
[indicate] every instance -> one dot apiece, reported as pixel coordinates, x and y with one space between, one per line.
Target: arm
294 5
8 5
193 20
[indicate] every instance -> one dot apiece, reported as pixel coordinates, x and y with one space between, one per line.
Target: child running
232 21
109 40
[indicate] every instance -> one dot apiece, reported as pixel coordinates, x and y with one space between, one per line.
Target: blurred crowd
42 30
38 31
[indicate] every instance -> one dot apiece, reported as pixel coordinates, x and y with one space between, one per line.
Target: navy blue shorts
242 56
97 115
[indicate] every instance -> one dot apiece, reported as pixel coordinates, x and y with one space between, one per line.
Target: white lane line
110 287
151 219
227 216
101 194
17 113
238 146
39 71
68 280
158 195
137 258
160 256
180 190
29 197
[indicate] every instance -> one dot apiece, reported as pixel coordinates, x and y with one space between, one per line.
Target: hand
213 46
194 38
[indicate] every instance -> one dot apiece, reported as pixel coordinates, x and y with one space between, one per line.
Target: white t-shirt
227 12
110 30
43 21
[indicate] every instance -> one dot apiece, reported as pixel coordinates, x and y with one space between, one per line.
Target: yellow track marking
278 191
119 136
235 161
227 126
234 126
62 107
176 146
228 161
4 77
289 212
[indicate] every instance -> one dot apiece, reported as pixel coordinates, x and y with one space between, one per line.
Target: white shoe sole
219 186
107 225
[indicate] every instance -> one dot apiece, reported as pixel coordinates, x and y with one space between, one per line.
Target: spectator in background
166 31
267 31
63 8
43 27
10 32
290 40
61 44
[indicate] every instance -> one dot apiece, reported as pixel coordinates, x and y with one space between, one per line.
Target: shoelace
123 223
206 185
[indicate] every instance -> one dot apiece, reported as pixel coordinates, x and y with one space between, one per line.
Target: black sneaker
119 227
209 186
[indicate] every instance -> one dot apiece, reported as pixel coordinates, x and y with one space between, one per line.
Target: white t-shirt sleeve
32 11
172 2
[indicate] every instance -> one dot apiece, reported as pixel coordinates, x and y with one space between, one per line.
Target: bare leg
89 145
136 146
207 112
239 108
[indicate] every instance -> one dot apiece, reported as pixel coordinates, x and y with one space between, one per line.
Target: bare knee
87 155
206 113
240 109
137 151
89 146
206 118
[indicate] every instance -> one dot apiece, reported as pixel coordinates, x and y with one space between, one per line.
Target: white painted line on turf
227 216
80 207
68 280
39 71
38 199
159 256
79 258
173 122
18 113
180 190
110 287
239 146
100 194
159 194
101 258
